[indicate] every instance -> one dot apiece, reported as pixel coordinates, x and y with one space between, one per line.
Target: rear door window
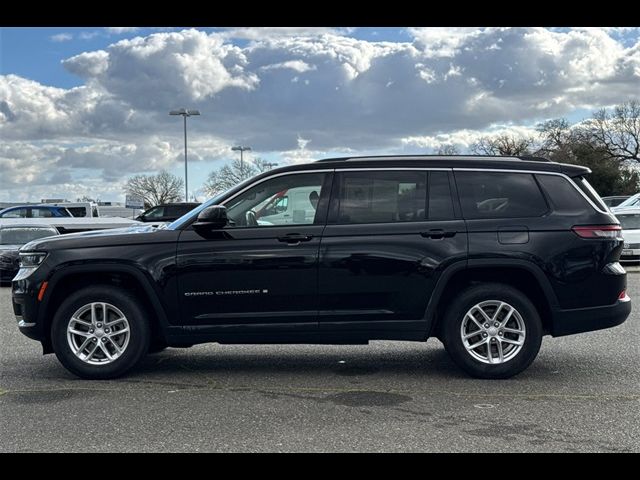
41 213
499 195
382 197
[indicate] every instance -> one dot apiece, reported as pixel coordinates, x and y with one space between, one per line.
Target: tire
492 298
157 348
97 366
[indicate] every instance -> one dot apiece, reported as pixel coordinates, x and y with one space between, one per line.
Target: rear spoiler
574 170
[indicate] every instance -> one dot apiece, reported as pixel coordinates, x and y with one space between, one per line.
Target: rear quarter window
499 195
563 196
590 192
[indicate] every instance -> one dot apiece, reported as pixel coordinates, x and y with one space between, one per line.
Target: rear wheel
492 331
100 332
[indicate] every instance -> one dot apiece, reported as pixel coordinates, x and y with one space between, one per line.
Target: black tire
455 315
138 324
157 348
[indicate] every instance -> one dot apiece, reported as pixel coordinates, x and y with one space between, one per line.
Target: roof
446 161
435 157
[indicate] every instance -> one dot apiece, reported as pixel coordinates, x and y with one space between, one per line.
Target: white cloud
335 92
463 139
121 30
88 35
263 33
61 37
295 65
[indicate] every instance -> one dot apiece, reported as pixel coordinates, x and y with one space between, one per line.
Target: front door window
285 200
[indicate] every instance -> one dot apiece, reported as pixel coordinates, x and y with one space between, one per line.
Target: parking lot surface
581 394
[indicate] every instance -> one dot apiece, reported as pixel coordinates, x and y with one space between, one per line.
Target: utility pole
185 113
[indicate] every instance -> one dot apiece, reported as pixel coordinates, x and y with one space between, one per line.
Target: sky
83 109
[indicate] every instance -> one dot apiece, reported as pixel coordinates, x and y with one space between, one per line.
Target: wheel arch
65 281
521 274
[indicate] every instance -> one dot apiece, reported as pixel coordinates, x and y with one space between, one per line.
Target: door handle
438 233
294 238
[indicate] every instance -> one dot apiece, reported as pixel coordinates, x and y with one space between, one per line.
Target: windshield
22 235
630 202
629 221
186 218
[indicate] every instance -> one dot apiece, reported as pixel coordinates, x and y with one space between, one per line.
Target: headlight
31 259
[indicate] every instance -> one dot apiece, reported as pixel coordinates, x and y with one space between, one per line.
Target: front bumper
568 322
24 298
7 272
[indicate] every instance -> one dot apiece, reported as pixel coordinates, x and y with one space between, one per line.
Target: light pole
185 113
241 149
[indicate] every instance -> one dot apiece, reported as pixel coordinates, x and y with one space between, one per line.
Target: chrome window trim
333 170
368 169
441 169
535 172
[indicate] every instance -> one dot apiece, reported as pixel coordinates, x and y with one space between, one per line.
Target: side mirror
211 218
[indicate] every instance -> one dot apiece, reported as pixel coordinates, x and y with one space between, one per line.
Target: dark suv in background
166 212
488 254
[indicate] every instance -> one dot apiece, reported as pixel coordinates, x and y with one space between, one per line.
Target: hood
10 251
97 238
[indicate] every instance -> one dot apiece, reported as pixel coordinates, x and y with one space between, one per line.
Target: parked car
630 221
289 206
615 200
166 212
11 239
488 254
35 211
81 209
632 202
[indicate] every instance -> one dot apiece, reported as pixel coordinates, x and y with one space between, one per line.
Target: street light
185 113
241 149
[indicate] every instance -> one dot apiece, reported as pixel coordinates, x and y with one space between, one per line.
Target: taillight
623 297
603 232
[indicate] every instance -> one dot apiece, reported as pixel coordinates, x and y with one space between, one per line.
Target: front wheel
492 331
100 332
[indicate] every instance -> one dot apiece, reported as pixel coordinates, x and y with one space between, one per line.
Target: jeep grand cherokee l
488 254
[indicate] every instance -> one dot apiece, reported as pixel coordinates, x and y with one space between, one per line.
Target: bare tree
230 175
562 142
447 149
262 165
618 132
557 140
503 145
156 189
555 133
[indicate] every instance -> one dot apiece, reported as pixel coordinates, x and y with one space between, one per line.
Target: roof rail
436 157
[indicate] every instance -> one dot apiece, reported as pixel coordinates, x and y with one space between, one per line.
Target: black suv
488 254
167 212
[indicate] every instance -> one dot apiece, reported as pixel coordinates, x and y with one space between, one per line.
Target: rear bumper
568 322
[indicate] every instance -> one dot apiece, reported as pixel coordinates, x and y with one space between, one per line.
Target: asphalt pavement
582 394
